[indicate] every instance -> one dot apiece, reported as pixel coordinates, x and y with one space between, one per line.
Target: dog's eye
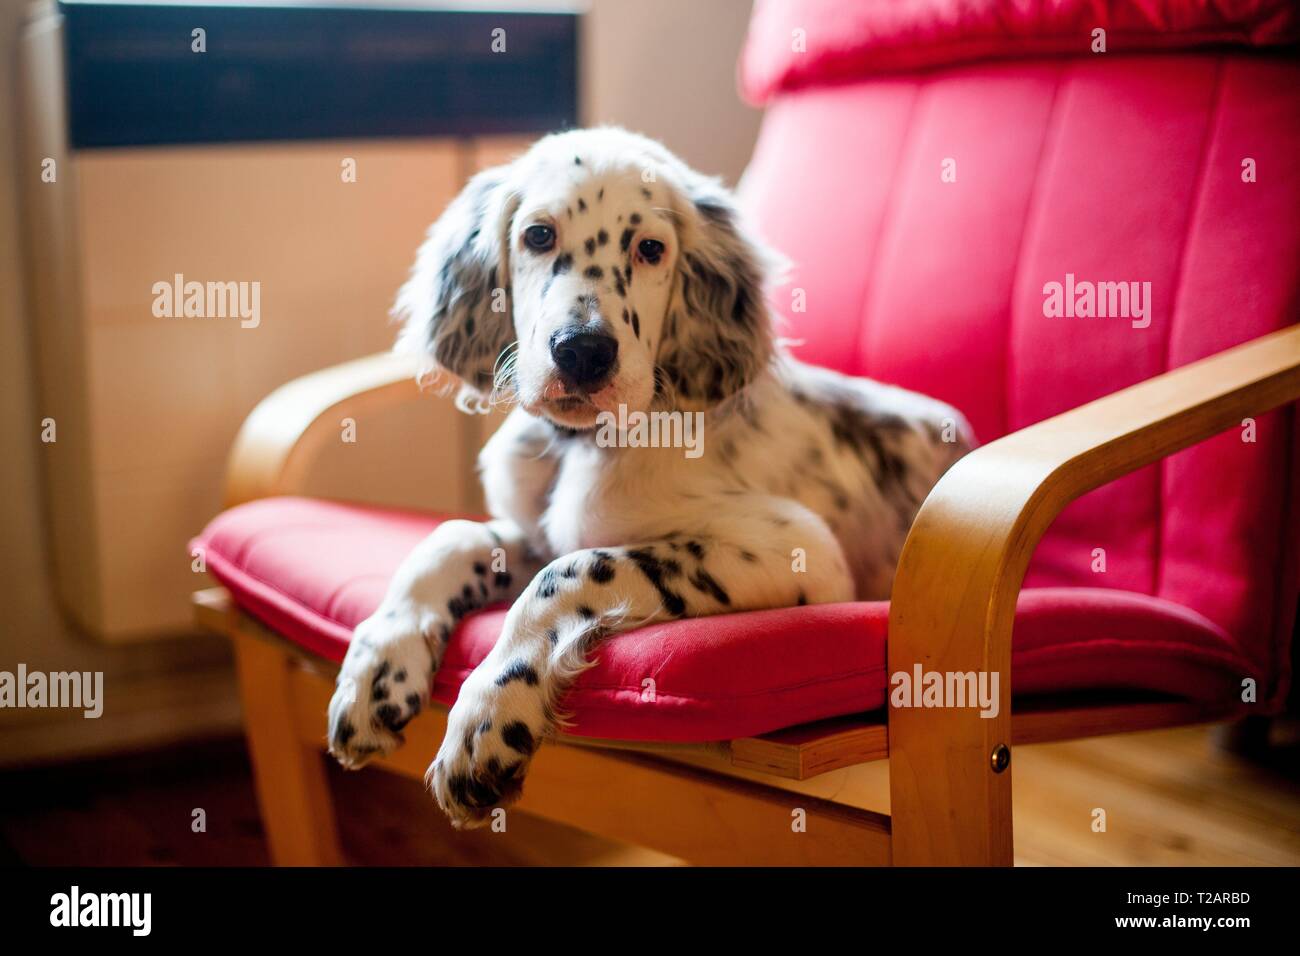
539 238
650 250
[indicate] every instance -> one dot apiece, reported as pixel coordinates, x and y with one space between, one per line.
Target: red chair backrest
926 210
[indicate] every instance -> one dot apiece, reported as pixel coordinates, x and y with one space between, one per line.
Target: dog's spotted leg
740 560
385 678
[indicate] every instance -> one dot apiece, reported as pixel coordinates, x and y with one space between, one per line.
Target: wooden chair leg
948 805
949 767
292 789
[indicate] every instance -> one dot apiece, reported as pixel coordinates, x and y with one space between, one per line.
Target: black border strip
294 73
924 910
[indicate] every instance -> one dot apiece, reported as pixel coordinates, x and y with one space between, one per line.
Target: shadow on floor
140 810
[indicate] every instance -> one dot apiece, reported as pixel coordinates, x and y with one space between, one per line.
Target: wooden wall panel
150 405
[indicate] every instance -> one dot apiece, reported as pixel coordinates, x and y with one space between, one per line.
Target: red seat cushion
312 570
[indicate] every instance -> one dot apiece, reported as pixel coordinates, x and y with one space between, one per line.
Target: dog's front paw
491 736
383 683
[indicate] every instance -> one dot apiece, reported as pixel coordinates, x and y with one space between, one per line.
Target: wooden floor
1170 798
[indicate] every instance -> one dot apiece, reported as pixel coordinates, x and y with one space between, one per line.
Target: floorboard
1171 798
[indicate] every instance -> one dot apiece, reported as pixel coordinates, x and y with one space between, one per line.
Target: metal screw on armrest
1000 759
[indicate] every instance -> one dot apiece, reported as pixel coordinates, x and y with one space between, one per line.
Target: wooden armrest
281 436
960 572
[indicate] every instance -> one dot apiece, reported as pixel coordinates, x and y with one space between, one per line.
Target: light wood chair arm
955 593
280 438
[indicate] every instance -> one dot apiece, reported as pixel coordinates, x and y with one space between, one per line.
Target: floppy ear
456 306
718 333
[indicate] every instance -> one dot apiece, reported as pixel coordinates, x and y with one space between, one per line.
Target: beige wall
165 396
665 69
668 69
188 679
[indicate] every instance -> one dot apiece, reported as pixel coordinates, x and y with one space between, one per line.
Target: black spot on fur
636 324
413 702
391 716
458 607
654 571
585 612
749 556
594 272
344 732
502 579
582 204
505 779
480 568
474 792
634 219
553 636
705 583
803 600
645 192
563 262
546 583
873 437
518 670
602 567
590 246
602 237
696 549
625 240
716 212
518 737
399 676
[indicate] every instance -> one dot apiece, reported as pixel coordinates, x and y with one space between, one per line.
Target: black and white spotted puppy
598 271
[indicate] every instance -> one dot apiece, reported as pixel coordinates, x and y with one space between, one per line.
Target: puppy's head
596 270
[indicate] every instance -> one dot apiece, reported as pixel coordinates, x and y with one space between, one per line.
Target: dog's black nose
585 357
